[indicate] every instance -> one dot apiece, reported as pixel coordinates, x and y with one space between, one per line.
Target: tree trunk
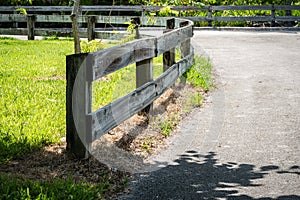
74 16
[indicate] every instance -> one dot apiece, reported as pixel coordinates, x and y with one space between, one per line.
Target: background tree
74 17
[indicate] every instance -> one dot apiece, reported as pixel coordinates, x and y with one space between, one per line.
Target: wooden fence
57 14
84 126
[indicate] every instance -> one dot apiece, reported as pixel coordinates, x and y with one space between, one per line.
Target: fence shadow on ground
199 176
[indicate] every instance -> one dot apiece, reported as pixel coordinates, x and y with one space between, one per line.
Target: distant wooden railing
85 126
83 9
58 15
90 32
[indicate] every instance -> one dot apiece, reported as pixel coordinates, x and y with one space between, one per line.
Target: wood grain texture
110 60
173 38
78 103
144 74
12 18
30 26
113 114
169 56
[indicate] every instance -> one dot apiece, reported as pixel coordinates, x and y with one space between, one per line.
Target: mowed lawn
32 94
33 90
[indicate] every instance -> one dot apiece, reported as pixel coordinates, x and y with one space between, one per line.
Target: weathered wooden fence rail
68 9
84 126
56 14
89 32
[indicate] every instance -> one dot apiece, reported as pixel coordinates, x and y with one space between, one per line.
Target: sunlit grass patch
32 95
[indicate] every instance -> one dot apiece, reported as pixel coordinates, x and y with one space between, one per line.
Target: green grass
200 74
56 189
32 92
32 115
32 95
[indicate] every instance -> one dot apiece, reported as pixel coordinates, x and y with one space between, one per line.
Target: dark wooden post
144 74
78 105
15 24
185 45
289 13
144 68
273 14
209 16
137 22
80 14
91 24
169 56
185 49
30 26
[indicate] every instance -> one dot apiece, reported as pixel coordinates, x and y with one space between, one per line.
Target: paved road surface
244 144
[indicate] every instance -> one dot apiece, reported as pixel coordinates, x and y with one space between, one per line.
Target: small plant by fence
58 15
84 126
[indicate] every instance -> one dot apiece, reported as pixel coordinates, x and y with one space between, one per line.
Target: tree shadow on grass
199 176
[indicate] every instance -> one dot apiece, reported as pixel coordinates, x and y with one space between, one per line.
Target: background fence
53 20
84 126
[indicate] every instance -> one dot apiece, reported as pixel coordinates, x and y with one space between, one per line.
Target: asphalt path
244 143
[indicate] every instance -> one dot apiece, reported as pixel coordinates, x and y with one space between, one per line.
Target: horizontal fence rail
85 126
31 9
57 14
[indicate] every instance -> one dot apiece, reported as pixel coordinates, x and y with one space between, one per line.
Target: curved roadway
245 143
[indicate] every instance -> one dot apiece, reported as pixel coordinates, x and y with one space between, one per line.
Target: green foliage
207 2
167 125
167 11
35 2
200 74
22 11
53 37
148 143
196 100
91 46
131 32
128 38
17 188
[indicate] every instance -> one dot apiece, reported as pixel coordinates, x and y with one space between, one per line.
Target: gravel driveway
244 143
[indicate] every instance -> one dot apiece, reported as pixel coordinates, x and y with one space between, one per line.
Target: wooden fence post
15 24
137 22
185 49
289 13
91 24
169 56
185 45
80 14
209 16
144 74
273 14
30 26
144 68
78 105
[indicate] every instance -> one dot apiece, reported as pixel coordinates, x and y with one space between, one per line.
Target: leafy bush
90 46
